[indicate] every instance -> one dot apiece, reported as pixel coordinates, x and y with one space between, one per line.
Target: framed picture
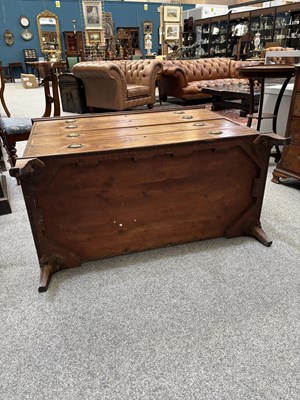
147 27
94 37
92 14
172 31
172 14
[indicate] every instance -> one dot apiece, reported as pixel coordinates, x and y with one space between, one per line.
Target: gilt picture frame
172 14
92 13
148 27
172 31
94 37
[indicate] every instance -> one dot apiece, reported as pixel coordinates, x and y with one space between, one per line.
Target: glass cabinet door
262 23
281 29
218 37
238 26
203 37
287 26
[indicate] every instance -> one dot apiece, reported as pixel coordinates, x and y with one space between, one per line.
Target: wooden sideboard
101 186
289 164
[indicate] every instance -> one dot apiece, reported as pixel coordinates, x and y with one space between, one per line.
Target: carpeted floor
211 320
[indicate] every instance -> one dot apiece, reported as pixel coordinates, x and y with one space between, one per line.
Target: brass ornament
9 38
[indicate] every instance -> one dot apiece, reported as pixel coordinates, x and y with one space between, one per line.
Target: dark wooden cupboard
289 164
73 43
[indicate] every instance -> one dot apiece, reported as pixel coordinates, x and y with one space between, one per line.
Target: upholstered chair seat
14 130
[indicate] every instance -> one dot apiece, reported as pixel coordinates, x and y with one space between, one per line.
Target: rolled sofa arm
104 83
176 72
173 80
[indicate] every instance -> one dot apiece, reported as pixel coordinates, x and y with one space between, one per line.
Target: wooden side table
12 67
260 73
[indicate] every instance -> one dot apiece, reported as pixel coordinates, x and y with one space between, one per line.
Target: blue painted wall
125 14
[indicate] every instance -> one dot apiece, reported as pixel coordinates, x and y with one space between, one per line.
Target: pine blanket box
105 185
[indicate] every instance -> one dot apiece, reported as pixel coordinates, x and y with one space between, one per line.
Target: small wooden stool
13 130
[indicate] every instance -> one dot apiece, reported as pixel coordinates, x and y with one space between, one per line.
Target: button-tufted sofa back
203 68
208 68
281 60
234 65
137 72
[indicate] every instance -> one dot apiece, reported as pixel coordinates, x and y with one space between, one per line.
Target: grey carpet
213 320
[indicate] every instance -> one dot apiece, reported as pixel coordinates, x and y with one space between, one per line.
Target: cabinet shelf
270 22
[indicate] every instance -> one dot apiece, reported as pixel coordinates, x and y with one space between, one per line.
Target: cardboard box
29 81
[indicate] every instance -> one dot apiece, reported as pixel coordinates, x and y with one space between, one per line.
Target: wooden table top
242 90
86 134
266 71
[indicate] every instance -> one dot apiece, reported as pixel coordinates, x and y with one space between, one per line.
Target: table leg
54 98
261 102
251 102
278 101
48 97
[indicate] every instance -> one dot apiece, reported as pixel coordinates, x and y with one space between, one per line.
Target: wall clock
24 21
26 34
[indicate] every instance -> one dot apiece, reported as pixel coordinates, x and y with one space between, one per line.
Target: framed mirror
49 34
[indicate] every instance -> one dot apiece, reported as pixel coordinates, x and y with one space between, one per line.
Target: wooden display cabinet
280 25
238 26
218 32
202 28
188 34
72 48
287 25
262 21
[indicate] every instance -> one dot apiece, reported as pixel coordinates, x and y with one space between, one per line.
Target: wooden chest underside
129 183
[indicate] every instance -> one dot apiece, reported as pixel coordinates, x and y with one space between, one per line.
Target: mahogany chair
12 130
2 88
243 46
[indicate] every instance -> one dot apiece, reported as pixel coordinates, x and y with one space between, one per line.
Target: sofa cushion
139 72
137 91
15 126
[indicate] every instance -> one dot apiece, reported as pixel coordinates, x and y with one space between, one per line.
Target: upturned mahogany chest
105 185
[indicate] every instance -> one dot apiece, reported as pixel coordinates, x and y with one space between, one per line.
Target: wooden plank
147 132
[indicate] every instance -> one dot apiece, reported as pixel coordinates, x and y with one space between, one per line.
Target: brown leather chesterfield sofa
120 84
185 79
280 60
